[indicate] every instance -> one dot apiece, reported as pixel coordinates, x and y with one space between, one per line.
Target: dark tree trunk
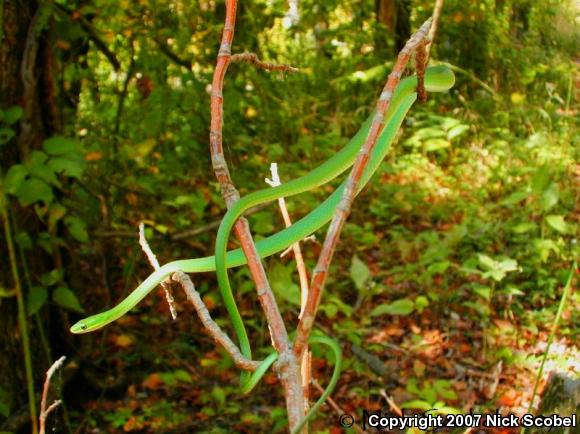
393 17
28 68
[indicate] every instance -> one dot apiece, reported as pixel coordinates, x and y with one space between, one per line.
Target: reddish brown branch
210 325
253 58
321 271
287 364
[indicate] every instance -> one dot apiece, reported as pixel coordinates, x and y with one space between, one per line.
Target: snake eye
83 326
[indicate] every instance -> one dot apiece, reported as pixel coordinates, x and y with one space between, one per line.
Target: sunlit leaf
557 223
359 272
398 307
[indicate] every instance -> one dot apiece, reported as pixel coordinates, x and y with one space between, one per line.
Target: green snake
437 79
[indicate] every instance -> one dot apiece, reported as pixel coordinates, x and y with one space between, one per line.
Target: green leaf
438 267
432 145
59 145
523 228
14 178
77 228
23 240
52 277
36 299
34 190
68 167
282 284
550 197
457 131
486 262
403 307
183 376
64 297
557 223
421 302
12 115
359 272
5 135
45 173
417 404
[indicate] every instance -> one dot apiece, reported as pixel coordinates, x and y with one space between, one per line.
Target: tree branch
287 364
253 58
210 325
321 271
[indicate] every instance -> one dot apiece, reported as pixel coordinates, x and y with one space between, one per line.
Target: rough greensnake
437 79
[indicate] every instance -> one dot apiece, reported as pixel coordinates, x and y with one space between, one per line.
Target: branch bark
210 325
321 271
287 364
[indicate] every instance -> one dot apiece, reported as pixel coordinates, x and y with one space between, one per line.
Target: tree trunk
394 19
27 70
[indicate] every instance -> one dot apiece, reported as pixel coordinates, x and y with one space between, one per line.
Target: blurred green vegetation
473 216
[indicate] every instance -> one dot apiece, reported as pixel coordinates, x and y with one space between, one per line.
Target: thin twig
155 264
433 32
321 271
392 404
302 273
210 325
335 406
305 364
44 412
253 58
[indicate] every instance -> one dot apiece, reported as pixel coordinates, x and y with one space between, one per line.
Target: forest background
447 280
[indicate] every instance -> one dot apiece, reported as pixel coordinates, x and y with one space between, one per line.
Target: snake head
79 327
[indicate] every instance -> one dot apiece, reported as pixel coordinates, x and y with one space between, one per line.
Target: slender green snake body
437 79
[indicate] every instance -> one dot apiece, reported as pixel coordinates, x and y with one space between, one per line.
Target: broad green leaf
550 197
557 223
36 299
483 291
64 297
59 145
438 267
52 277
45 173
183 376
12 115
359 272
522 228
457 131
68 167
34 190
436 144
77 228
14 178
282 284
486 262
400 307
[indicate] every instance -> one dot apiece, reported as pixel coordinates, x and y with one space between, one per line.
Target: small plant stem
22 324
37 319
555 325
